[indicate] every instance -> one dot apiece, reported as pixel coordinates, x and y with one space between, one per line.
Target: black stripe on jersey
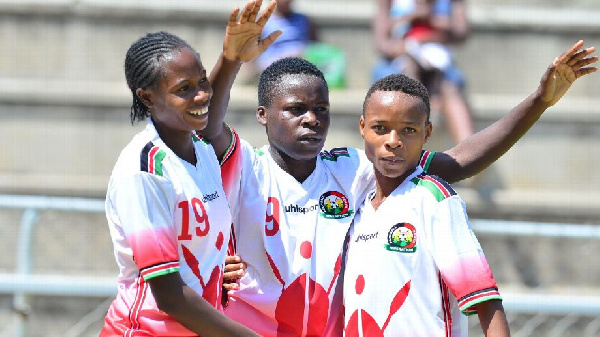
144 157
475 293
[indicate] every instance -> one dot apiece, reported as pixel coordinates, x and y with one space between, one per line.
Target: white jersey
165 215
414 264
291 236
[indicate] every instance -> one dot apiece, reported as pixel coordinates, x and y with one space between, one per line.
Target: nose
310 119
393 140
203 96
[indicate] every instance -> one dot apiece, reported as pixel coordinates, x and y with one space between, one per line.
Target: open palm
565 70
242 36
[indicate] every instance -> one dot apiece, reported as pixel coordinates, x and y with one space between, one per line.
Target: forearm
192 311
493 319
221 80
199 316
480 150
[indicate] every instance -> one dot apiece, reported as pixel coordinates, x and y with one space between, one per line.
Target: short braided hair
270 77
143 66
401 83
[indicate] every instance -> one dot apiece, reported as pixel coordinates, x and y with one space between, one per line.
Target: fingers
247 11
267 14
579 55
585 71
254 13
266 42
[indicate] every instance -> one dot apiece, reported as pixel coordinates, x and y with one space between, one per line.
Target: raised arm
480 150
242 44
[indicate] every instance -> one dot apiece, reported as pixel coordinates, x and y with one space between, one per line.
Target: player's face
298 119
394 128
180 101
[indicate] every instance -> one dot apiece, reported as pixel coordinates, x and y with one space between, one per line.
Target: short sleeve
144 205
459 256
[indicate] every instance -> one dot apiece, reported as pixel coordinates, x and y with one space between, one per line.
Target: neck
386 185
180 142
300 169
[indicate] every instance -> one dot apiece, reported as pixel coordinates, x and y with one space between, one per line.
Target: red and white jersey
291 236
414 264
165 215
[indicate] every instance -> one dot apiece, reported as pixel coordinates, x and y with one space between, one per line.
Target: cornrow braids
270 78
143 66
402 83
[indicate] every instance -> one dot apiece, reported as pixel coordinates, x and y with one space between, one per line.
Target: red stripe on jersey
446 307
231 163
159 268
442 188
424 157
232 246
336 272
136 308
151 159
465 301
275 270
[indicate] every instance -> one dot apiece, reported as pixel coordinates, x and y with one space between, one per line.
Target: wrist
230 59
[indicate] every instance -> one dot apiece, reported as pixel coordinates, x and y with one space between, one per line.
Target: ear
144 96
361 126
428 130
261 115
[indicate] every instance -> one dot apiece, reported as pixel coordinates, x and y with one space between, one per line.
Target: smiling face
297 118
179 101
394 127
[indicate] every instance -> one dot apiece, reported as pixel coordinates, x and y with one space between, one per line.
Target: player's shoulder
433 186
144 153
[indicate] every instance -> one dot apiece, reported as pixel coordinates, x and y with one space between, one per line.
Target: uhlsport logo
402 238
334 205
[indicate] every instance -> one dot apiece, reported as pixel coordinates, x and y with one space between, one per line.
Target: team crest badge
402 238
334 205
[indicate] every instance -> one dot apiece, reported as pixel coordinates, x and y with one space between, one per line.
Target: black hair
270 77
143 66
402 83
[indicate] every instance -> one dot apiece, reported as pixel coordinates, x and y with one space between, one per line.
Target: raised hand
565 69
242 36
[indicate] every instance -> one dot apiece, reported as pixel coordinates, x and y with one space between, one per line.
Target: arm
186 306
382 25
242 44
480 150
492 319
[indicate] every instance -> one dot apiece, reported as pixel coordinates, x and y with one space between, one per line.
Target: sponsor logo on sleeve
402 238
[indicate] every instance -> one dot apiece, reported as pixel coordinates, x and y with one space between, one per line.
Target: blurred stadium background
64 117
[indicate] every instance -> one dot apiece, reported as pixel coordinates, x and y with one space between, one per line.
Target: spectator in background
298 31
299 38
412 37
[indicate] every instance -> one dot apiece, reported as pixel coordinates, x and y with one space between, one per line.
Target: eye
203 80
184 88
409 130
322 109
378 127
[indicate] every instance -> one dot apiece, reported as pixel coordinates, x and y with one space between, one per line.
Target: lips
312 137
392 160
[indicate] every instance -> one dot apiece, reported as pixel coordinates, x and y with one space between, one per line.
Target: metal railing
23 283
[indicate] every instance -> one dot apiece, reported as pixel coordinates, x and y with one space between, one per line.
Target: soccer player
293 204
167 212
413 263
